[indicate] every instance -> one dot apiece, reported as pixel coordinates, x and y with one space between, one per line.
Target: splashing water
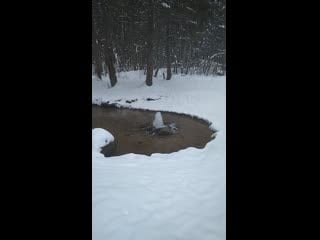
158 121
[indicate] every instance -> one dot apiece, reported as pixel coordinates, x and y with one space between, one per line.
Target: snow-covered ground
180 195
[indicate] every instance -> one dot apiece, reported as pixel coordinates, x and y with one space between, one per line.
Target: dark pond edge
108 149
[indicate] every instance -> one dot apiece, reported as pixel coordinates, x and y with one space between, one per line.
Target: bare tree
150 30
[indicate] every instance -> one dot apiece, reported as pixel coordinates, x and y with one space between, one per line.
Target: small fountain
160 128
158 121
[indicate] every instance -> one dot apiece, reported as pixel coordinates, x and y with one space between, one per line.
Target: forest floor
180 195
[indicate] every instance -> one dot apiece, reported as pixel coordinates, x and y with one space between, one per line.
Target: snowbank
100 138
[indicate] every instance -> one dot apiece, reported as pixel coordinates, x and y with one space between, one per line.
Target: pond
134 132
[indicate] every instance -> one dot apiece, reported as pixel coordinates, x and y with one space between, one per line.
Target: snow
189 8
193 22
158 121
181 195
165 5
100 138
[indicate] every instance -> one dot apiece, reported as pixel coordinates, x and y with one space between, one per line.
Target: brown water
130 129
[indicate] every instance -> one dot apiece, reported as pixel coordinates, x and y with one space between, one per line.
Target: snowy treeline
183 36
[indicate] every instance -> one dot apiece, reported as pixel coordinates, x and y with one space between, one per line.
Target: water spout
158 121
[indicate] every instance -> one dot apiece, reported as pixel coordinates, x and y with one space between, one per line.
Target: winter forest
182 36
158 119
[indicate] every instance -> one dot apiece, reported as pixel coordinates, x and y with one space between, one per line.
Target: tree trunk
156 73
157 58
109 55
110 64
150 45
96 52
167 49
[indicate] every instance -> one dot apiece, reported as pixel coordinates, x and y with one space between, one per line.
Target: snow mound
100 138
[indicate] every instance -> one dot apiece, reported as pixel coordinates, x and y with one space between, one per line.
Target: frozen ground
181 195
